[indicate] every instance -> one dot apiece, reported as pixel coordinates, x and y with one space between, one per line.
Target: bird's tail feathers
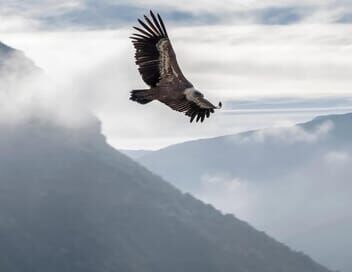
142 96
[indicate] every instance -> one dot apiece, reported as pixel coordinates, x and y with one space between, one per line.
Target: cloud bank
47 14
226 63
290 134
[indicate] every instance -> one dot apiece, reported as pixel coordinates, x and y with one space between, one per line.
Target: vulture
158 67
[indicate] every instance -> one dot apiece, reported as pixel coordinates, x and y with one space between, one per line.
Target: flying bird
157 64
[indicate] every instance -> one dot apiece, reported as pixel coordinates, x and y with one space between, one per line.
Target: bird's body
159 69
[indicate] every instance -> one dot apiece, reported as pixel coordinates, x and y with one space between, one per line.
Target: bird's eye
197 93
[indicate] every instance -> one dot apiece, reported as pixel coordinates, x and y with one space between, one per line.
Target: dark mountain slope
292 182
69 202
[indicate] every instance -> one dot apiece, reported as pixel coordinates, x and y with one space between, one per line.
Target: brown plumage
157 64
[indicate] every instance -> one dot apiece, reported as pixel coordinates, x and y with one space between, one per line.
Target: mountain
70 202
184 164
135 154
14 64
4 49
300 174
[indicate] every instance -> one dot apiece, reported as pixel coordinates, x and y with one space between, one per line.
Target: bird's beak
219 106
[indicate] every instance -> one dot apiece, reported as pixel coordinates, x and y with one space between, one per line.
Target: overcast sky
231 50
273 63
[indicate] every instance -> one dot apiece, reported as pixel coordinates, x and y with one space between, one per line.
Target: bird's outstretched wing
154 55
196 110
158 67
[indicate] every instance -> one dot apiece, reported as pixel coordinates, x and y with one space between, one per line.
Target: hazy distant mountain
70 202
300 174
263 153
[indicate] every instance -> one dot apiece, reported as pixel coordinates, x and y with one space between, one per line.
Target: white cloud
292 134
36 96
41 8
337 157
244 11
281 60
229 5
73 13
16 23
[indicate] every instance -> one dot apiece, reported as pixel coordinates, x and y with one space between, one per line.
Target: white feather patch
189 93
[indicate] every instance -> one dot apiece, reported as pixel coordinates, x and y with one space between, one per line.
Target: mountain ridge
164 160
306 163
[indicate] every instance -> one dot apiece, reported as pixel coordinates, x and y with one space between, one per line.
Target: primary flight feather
157 64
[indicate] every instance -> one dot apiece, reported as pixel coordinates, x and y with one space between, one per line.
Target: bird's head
197 93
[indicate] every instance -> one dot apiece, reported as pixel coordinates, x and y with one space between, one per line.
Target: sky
273 63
